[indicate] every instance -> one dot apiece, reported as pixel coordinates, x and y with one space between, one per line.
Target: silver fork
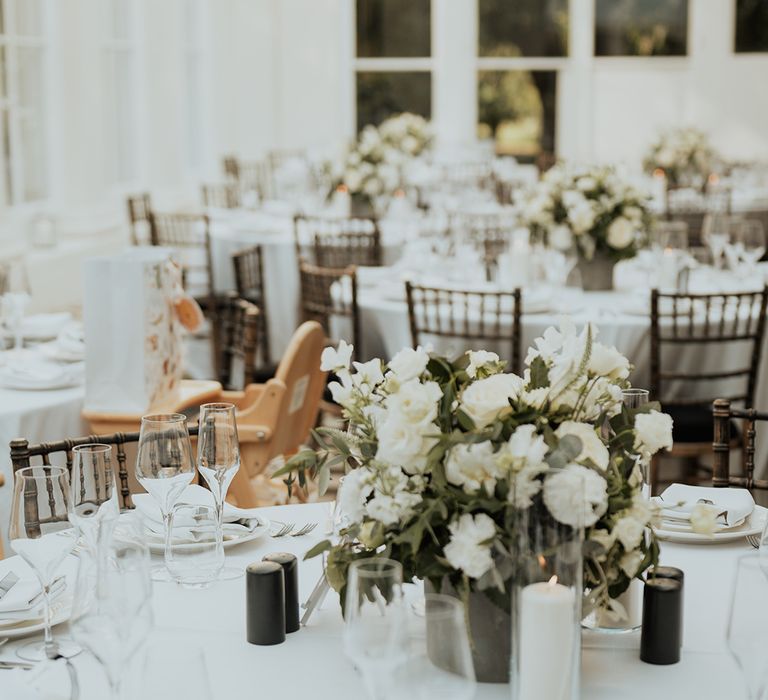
305 530
283 530
754 540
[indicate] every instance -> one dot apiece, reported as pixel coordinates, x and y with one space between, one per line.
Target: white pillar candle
659 190
668 270
546 643
341 203
519 260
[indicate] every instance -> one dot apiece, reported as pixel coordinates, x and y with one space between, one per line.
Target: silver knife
7 582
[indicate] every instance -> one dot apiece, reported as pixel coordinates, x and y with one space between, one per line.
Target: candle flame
399 193
342 188
659 172
713 178
542 562
553 580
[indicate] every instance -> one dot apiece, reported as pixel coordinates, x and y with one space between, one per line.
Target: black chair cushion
694 423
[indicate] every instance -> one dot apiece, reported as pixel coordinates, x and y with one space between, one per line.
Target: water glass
39 514
747 631
375 631
196 554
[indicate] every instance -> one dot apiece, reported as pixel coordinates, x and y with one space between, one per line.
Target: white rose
353 180
629 531
473 467
354 489
335 359
479 359
576 496
484 399
586 183
653 432
469 549
603 538
388 509
560 237
409 363
592 447
535 398
414 402
621 233
399 441
608 362
630 562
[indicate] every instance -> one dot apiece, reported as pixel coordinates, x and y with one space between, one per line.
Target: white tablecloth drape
311 663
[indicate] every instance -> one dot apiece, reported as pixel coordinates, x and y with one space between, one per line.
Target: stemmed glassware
634 399
750 236
93 493
717 234
375 631
112 614
39 512
164 466
218 458
747 632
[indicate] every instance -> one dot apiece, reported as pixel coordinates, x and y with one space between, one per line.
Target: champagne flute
93 493
747 631
39 512
751 236
375 630
218 460
164 466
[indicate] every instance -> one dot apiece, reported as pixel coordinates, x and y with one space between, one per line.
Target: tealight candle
547 636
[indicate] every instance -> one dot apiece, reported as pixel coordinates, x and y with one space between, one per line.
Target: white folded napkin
38 373
15 604
44 325
679 500
198 496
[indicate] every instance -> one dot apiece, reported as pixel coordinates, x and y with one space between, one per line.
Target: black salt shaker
291 575
667 572
265 603
662 633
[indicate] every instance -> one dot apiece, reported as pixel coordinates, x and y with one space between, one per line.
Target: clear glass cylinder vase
547 591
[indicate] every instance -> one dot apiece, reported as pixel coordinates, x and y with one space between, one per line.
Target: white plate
9 381
753 526
259 531
61 609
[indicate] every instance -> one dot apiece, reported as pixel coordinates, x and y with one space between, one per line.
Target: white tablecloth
311 663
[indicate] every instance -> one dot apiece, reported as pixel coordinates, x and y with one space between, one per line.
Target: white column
454 76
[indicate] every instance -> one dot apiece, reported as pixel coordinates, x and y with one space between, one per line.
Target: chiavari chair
490 234
249 281
338 242
221 196
330 293
189 236
250 177
467 316
239 322
724 417
706 324
139 211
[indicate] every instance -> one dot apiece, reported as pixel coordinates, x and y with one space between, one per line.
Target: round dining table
311 662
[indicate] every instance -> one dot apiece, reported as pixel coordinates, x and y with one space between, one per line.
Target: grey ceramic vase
490 635
596 274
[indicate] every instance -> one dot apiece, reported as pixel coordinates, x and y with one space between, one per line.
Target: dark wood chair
249 177
249 282
338 242
22 454
467 316
490 234
321 301
723 425
239 322
708 323
221 196
139 211
189 236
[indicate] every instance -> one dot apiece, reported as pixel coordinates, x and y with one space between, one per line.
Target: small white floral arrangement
441 453
374 166
592 209
684 154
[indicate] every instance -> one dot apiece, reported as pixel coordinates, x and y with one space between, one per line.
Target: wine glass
196 556
375 630
716 233
218 459
113 610
39 513
164 466
747 631
93 492
439 664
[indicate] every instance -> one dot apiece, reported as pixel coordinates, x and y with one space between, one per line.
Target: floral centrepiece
374 165
441 454
592 210
685 155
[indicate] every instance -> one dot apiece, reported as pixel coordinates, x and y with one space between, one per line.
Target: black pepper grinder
662 632
291 576
265 603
